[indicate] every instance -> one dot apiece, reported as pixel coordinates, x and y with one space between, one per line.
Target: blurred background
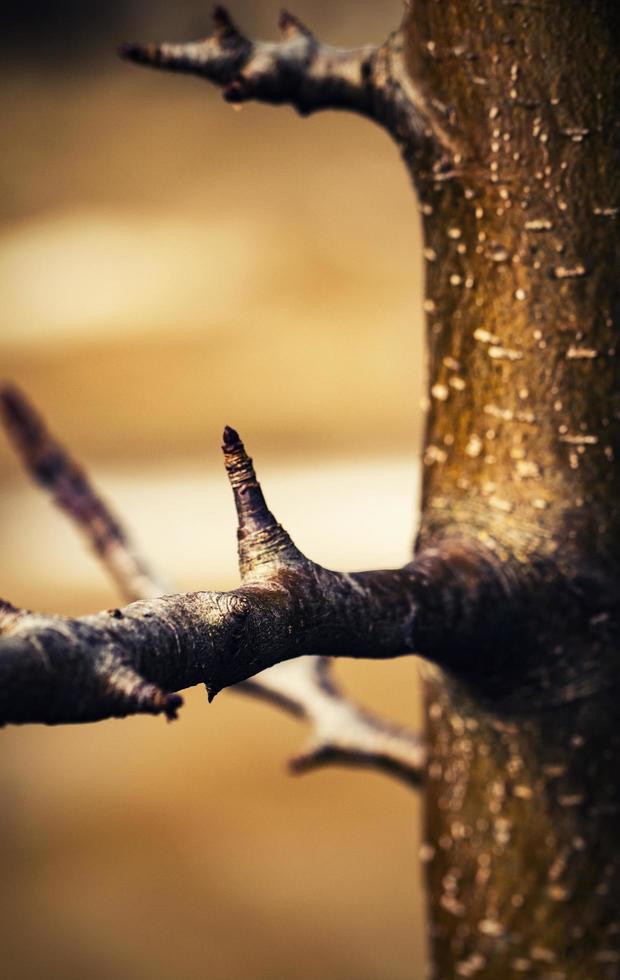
168 266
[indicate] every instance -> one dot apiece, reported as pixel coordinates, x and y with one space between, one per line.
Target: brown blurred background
168 265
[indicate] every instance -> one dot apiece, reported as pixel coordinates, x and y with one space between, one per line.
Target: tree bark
522 442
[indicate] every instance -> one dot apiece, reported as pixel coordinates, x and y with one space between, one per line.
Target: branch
302 71
51 467
341 732
119 662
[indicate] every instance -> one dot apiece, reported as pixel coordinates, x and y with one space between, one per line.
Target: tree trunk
523 802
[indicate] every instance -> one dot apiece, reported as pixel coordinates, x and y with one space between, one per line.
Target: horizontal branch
341 731
55 669
301 71
290 615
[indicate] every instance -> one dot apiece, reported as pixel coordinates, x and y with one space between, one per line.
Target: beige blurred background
167 266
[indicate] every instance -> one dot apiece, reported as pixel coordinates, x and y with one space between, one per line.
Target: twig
341 732
302 71
48 463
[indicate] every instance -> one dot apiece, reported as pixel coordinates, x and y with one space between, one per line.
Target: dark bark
58 670
97 681
523 800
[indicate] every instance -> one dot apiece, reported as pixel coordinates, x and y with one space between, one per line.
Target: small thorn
225 27
212 692
290 25
252 509
230 437
221 17
262 541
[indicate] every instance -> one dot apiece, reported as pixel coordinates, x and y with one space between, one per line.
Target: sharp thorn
224 25
290 25
230 437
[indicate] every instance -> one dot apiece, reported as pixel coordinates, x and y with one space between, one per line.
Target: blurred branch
53 469
298 69
302 71
341 732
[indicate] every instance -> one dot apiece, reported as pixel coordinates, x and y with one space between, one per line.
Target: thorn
224 26
290 25
212 692
251 505
261 540
230 437
221 17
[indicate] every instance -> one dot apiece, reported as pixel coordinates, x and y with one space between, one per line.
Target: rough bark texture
506 114
523 798
513 147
